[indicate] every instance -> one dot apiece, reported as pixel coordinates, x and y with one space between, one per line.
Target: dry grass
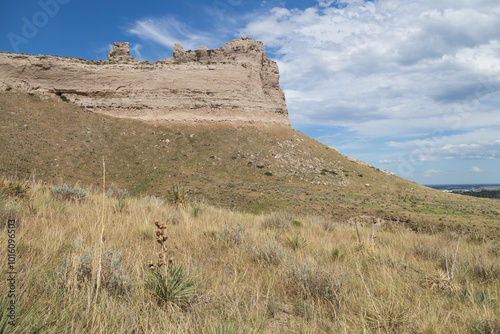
224 165
248 278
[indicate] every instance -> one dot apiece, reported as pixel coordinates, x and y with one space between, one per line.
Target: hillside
232 272
243 166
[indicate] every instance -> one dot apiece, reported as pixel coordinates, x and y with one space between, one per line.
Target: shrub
270 254
8 89
232 234
116 192
328 226
338 253
197 209
69 192
79 267
494 249
482 267
121 205
312 281
426 251
303 309
121 195
278 220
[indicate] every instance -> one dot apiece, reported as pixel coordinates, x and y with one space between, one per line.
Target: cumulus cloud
390 68
393 81
477 144
476 169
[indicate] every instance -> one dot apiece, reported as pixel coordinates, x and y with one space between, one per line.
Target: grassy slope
223 164
250 279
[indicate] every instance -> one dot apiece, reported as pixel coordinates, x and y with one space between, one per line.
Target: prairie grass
238 272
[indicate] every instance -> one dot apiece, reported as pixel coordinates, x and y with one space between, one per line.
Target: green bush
80 267
116 192
232 234
69 192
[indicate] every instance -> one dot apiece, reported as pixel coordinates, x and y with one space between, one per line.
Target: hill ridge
234 83
252 167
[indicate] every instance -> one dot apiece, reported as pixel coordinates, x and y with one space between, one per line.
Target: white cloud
413 80
388 162
476 169
135 51
390 68
167 31
476 144
434 172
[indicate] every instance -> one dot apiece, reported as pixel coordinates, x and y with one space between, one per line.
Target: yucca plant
179 195
173 285
295 242
168 283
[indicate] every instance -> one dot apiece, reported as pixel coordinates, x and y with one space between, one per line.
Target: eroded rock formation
120 52
236 82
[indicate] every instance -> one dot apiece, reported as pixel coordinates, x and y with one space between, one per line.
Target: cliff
235 83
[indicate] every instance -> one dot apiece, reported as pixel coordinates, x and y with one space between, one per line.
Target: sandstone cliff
236 82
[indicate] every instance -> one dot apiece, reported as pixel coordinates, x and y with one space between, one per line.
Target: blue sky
409 86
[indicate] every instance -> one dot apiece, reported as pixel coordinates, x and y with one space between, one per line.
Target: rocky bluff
236 83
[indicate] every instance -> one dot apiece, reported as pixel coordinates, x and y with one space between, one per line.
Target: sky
409 86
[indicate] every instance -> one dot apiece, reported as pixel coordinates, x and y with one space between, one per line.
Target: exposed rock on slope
236 82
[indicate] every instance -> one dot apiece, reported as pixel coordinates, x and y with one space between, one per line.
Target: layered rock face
236 82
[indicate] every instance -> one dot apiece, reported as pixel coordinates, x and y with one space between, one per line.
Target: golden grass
327 280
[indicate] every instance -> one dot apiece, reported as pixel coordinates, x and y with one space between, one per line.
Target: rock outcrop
120 52
235 83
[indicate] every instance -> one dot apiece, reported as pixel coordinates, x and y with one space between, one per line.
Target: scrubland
94 261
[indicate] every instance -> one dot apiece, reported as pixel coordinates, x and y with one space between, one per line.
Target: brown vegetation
231 272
